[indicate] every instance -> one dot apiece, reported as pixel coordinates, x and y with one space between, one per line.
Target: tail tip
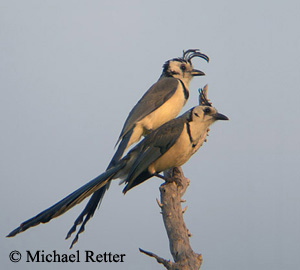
14 232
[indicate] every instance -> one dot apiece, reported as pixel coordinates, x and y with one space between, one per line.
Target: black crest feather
187 57
203 100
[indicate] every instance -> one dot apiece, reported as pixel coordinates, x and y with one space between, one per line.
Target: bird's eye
206 110
183 67
196 114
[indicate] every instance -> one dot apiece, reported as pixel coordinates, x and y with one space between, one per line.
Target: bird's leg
169 178
166 178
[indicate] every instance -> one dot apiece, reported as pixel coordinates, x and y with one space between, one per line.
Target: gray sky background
70 72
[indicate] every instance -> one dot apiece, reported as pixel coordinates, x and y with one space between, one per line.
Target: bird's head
205 114
199 119
182 67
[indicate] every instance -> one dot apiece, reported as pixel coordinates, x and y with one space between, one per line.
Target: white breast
169 110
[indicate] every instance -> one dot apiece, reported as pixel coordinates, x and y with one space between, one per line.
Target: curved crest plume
191 53
203 100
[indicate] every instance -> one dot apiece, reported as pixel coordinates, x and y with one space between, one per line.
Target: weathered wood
171 198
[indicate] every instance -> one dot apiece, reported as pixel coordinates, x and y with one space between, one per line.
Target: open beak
219 116
196 72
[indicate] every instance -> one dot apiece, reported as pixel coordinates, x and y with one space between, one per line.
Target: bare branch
167 264
171 192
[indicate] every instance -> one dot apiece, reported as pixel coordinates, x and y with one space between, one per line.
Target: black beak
219 116
196 72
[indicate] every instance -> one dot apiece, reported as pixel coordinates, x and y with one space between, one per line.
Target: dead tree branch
170 204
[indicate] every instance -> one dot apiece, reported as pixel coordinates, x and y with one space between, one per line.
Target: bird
170 145
162 102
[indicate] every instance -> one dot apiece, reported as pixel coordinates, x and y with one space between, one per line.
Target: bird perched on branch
170 145
161 103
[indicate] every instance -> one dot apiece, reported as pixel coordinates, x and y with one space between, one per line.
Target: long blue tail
97 197
68 202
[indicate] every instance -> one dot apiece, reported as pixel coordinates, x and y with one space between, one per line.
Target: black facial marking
166 66
185 91
188 129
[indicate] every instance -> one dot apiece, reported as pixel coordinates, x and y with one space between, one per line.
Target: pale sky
71 71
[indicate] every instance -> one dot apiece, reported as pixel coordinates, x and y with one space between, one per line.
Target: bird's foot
171 179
